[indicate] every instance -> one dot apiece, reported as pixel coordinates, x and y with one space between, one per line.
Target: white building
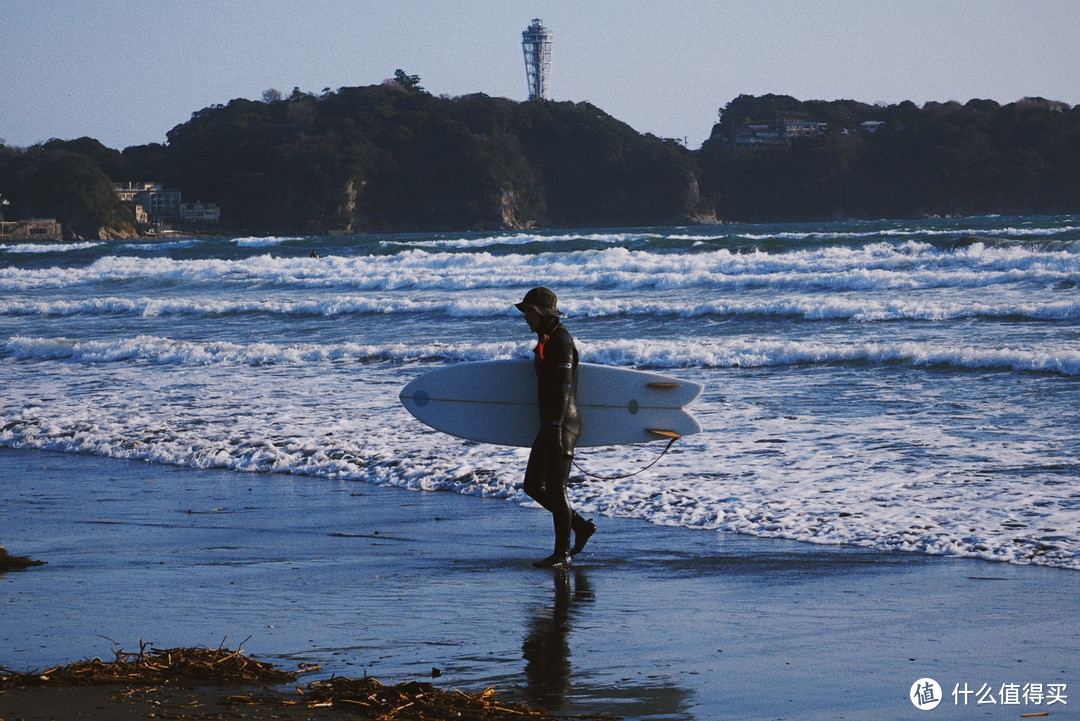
158 203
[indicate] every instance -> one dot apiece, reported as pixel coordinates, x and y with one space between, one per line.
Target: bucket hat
542 300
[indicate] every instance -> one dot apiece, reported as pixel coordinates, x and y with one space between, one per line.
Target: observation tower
536 44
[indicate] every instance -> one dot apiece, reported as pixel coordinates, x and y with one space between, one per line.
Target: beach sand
651 623
109 703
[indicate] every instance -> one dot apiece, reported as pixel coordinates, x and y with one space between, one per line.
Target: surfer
546 475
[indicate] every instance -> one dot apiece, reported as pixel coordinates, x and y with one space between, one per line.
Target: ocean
908 386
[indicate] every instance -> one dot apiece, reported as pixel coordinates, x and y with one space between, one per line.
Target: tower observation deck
536 44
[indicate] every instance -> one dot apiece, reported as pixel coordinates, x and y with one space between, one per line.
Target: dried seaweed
371 699
9 562
154 666
368 699
365 699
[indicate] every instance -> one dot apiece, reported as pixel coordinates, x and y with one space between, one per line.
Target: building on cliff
775 132
154 203
200 213
43 229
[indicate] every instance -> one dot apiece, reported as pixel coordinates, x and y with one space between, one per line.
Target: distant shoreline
242 233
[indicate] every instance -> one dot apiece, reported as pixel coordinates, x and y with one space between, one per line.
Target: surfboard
495 402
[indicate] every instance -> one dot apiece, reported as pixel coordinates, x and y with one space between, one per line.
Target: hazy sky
127 71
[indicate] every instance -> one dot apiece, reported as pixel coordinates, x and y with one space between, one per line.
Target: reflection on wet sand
549 678
547 646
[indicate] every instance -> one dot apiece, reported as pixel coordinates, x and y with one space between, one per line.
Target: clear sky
127 71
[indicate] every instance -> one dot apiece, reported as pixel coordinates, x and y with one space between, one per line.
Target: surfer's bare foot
582 536
555 560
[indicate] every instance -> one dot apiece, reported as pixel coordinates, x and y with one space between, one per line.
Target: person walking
548 470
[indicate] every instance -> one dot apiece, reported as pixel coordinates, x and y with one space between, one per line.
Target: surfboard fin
664 433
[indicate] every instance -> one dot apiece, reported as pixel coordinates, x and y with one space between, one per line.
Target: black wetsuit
556 362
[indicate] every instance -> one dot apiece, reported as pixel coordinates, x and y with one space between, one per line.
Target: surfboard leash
667 434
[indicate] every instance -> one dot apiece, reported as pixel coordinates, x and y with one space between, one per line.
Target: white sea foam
166 351
817 307
976 232
763 353
49 247
705 353
808 477
737 233
158 246
1049 231
878 265
262 242
338 305
516 239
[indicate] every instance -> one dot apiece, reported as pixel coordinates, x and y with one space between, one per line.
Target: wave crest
875 266
636 353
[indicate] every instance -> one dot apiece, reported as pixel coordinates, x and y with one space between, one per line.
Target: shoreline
652 622
687 222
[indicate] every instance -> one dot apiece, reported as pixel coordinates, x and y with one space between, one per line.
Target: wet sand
652 622
107 703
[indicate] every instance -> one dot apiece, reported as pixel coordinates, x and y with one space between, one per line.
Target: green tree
55 182
409 82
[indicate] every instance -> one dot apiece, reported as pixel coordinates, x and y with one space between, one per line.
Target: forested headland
393 157
896 161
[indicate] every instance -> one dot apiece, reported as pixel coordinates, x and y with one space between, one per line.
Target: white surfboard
495 402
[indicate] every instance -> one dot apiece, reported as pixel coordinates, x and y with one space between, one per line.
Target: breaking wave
706 353
809 308
909 265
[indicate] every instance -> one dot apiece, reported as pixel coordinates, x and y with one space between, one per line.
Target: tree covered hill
393 157
68 181
895 161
